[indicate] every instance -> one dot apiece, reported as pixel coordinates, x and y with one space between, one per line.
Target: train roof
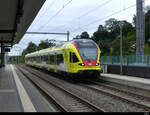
57 47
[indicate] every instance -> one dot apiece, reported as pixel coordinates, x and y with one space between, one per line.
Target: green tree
134 21
43 44
127 27
31 48
46 44
147 49
100 34
51 43
147 27
84 35
113 27
77 37
102 38
22 58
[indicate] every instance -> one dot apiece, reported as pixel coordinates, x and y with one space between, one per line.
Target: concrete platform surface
18 94
132 81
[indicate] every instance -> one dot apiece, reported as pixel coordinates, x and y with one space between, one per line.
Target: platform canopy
15 18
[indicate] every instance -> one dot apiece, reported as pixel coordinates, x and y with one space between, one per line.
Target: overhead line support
45 33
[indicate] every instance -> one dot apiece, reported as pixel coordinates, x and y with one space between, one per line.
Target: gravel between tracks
122 93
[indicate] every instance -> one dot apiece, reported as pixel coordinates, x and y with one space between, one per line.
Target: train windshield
88 50
88 53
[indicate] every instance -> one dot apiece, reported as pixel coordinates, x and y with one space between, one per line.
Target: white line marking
26 102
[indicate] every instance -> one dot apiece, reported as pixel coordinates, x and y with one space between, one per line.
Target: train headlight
97 64
82 64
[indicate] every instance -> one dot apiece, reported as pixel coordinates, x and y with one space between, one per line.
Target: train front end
88 53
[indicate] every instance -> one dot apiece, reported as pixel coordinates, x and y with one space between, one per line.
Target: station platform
18 94
137 82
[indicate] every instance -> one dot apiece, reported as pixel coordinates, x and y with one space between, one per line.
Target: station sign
7 49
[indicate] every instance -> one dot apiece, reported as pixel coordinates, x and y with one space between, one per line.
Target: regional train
76 58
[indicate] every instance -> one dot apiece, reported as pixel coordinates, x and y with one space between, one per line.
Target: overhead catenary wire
90 11
94 9
117 12
56 13
77 33
98 20
49 6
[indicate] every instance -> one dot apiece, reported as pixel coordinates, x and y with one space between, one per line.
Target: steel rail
118 97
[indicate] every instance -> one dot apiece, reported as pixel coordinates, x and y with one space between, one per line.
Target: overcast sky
75 16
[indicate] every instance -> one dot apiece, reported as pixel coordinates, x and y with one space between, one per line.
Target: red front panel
87 62
90 63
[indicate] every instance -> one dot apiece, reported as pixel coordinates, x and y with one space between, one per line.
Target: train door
66 59
55 62
48 62
72 65
73 61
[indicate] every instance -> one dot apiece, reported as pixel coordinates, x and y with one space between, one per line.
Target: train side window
70 57
52 59
73 58
34 58
60 59
57 59
37 59
46 59
41 58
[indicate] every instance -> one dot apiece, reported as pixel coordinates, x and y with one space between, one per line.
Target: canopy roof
15 18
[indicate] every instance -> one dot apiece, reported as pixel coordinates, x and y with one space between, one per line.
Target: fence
129 60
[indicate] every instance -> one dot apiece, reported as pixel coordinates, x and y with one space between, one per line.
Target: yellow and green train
77 58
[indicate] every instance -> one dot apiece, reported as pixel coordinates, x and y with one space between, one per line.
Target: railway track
124 92
126 98
122 98
65 100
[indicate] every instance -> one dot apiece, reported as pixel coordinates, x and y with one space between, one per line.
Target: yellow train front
77 58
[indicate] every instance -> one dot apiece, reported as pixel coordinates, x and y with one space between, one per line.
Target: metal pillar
2 55
121 49
140 30
68 35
